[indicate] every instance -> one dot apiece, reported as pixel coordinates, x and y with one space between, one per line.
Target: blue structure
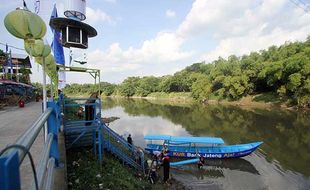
60 116
186 140
13 156
207 147
97 134
77 134
190 161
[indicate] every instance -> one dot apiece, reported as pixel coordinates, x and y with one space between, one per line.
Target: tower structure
75 33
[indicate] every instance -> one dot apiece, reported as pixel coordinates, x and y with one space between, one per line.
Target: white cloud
170 13
165 48
240 27
93 16
237 27
253 42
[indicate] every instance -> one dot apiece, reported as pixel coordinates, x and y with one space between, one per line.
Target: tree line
283 71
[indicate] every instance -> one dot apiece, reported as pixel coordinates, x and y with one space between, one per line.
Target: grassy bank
85 172
263 100
173 95
155 95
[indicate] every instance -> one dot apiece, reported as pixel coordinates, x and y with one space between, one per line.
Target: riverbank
85 172
256 101
260 101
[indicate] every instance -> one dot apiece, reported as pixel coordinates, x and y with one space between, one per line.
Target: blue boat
191 147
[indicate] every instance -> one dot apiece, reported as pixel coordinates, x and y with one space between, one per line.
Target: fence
118 146
78 132
82 132
13 155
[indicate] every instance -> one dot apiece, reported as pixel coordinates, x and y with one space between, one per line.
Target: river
282 162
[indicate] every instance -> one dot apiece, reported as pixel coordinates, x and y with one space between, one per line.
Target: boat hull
218 152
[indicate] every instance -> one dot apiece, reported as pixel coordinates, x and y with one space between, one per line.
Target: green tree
107 88
129 86
294 81
201 87
147 85
283 70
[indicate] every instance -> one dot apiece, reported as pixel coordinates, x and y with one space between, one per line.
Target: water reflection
286 136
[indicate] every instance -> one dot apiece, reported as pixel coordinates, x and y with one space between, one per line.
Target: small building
21 68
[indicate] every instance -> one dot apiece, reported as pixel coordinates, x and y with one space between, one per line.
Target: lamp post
28 26
38 49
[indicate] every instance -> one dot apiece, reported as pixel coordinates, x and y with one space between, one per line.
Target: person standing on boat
165 149
166 166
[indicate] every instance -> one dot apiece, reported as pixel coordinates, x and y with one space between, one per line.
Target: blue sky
142 38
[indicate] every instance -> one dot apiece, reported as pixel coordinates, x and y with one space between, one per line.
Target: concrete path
13 122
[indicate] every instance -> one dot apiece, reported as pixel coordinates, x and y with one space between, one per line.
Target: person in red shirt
166 166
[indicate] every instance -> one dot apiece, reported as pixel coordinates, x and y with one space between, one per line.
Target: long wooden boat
190 147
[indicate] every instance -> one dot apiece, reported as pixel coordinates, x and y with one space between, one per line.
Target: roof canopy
77 69
60 23
2 81
205 140
18 59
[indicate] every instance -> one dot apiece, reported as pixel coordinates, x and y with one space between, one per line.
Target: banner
58 51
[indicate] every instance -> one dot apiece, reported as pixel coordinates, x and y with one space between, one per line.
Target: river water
282 162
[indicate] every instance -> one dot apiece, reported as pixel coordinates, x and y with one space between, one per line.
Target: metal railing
11 160
126 152
80 135
80 132
102 137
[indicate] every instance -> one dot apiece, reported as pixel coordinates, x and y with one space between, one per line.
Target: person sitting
201 161
80 113
90 109
157 157
153 176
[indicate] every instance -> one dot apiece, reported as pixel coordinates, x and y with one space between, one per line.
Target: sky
147 37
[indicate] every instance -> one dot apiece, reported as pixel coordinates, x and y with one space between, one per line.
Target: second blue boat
207 147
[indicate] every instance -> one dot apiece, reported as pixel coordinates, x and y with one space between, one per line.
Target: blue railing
126 152
78 134
101 136
82 132
13 155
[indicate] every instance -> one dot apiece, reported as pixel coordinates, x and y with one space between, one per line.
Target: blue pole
102 137
94 143
9 172
52 127
99 144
